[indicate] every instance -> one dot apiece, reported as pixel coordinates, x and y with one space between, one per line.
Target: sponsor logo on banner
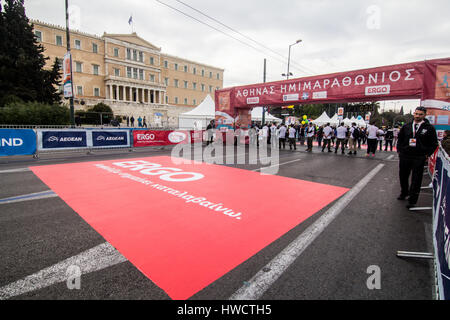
378 90
177 137
253 100
109 138
305 96
63 139
320 95
291 97
17 142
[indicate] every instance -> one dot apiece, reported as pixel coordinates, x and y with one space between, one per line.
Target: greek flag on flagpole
130 21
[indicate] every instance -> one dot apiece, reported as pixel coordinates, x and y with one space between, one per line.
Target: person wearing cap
417 141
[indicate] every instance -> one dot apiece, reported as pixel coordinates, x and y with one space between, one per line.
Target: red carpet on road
184 225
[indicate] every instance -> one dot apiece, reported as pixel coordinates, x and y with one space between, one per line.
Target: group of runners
327 136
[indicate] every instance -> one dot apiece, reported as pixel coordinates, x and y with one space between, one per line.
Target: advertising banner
62 139
67 75
15 142
152 138
110 138
441 223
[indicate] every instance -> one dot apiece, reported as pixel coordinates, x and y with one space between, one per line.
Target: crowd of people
328 137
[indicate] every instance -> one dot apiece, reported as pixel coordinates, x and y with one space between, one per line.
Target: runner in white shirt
341 135
327 133
372 131
310 132
282 136
292 132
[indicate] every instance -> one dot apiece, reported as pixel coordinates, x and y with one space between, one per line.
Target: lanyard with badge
413 141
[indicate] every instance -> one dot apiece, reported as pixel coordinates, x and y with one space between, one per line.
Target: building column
117 93
131 93
110 92
124 93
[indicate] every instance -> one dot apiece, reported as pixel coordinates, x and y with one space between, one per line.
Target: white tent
334 121
199 117
347 122
322 120
257 116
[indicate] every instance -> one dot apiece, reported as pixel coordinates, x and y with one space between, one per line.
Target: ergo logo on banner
155 169
146 137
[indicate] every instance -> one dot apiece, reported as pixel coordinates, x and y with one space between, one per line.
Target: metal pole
72 113
263 109
289 61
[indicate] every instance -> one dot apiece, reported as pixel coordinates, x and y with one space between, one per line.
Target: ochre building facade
130 74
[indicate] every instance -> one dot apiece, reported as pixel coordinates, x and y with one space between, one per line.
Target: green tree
22 62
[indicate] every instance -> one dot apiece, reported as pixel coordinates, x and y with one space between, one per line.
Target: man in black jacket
416 142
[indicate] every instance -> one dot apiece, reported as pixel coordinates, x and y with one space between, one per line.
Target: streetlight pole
72 116
289 58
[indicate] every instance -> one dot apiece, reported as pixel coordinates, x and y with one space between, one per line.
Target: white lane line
263 280
97 258
390 157
280 164
28 197
15 170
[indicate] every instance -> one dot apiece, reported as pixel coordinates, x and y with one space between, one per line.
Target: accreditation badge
412 142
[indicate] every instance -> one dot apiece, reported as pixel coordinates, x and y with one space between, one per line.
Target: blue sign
15 142
441 223
110 138
63 139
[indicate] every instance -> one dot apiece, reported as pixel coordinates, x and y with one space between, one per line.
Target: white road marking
15 170
390 157
97 258
28 197
263 280
280 164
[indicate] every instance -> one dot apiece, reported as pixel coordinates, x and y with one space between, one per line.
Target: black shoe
410 205
401 197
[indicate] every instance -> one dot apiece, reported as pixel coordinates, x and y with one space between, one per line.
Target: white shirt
292 133
372 132
380 135
341 132
310 132
327 131
282 132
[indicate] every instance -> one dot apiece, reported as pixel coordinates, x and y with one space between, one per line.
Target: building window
176 66
203 73
210 88
218 76
135 55
185 101
167 99
78 66
152 60
185 68
135 73
80 90
94 48
116 52
175 83
60 61
78 44
166 64
96 92
141 74
95 69
166 81
210 75
194 102
176 100
203 87
38 35
194 85
185 84
152 78
116 72
128 53
194 70
59 41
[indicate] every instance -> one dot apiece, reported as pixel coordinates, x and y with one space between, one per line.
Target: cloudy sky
336 35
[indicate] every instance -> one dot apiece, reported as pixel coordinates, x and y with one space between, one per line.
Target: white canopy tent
257 116
199 117
322 120
334 121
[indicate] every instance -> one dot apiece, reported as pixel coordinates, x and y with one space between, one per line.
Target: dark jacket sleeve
432 141
401 140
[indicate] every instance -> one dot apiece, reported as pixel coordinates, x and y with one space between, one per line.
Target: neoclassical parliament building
130 74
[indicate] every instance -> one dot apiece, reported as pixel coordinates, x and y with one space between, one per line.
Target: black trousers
326 142
372 145
310 142
340 142
411 166
292 143
388 142
282 141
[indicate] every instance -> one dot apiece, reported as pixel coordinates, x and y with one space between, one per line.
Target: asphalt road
38 234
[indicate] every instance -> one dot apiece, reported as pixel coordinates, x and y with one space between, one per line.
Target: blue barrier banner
110 138
14 142
441 223
64 139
